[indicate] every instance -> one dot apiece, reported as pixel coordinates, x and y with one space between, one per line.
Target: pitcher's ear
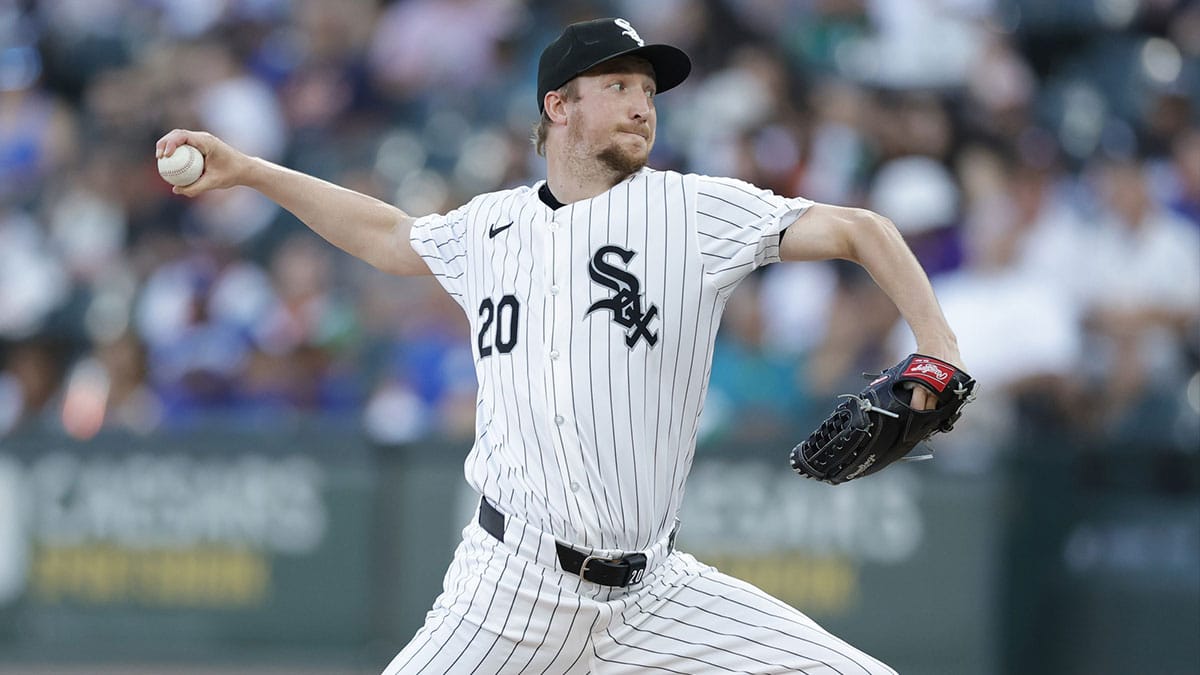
555 106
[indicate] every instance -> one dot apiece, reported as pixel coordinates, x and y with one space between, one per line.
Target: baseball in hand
182 167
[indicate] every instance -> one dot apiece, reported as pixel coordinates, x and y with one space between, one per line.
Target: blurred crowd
1042 159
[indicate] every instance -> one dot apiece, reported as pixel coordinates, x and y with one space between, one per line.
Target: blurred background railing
223 440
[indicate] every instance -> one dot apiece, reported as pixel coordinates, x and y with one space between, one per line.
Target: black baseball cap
587 44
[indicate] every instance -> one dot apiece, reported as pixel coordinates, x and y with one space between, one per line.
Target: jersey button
574 486
553 354
554 290
558 419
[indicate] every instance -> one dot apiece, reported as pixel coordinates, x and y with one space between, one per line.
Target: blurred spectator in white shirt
1011 305
33 280
1143 298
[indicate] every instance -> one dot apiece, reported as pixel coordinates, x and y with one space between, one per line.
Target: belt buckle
634 566
584 567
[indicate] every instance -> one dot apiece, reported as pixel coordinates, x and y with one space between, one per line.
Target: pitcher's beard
620 162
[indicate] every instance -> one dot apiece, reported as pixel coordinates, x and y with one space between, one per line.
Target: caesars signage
167 530
802 541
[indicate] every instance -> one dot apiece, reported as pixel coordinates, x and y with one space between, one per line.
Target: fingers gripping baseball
222 163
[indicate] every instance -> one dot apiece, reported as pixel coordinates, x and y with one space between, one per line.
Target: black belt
619 572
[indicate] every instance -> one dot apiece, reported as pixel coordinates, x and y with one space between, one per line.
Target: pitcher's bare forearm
360 225
881 250
871 240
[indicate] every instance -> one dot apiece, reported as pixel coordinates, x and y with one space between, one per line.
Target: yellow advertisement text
103 574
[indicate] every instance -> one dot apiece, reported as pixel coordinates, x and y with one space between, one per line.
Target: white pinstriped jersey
594 327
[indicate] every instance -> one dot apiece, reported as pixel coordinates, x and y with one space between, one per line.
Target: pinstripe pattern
611 474
587 417
505 610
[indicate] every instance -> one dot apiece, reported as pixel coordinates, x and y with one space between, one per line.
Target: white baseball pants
506 607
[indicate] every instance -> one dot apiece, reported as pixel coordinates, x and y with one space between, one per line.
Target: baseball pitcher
594 297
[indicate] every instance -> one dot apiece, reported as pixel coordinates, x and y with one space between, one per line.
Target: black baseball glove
869 431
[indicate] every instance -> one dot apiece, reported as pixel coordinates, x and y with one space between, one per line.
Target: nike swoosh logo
493 230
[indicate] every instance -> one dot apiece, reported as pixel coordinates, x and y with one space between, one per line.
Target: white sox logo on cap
587 44
627 29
